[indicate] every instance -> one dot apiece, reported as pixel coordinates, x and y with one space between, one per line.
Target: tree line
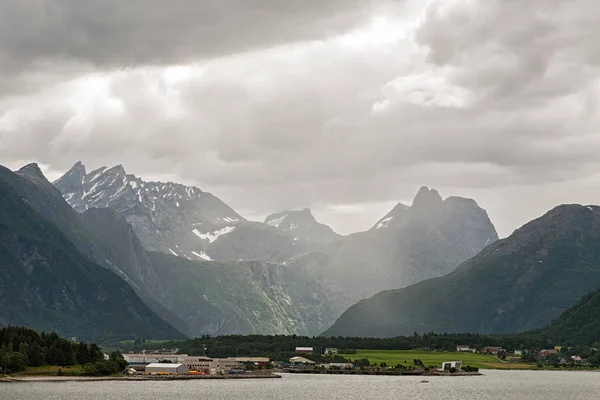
279 347
21 348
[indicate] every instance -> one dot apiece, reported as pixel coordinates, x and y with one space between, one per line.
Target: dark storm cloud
117 33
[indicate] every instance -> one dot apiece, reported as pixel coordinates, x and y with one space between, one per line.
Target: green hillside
516 284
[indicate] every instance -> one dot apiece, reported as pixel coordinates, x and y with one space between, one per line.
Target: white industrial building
301 361
137 359
446 366
166 369
306 350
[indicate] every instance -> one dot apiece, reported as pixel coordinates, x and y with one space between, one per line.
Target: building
297 361
448 365
340 365
305 350
547 353
491 349
331 351
251 360
518 352
212 366
140 360
460 348
166 369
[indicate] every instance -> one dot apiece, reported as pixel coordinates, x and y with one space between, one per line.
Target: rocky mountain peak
33 172
302 225
427 199
168 217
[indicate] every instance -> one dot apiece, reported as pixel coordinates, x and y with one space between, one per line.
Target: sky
343 106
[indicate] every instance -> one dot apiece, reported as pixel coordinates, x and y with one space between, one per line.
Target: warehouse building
212 366
296 361
136 359
251 360
166 369
305 350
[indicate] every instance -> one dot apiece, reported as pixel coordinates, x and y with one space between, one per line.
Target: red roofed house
491 349
547 353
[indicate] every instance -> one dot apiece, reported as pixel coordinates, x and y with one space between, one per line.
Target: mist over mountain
409 244
316 273
515 284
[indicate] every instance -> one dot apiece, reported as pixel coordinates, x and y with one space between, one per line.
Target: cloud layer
343 106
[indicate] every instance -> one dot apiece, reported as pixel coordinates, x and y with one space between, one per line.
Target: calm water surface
494 385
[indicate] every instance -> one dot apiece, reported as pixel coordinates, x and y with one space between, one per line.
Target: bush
452 370
101 368
363 362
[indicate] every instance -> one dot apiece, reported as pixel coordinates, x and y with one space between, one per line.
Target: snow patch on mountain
212 236
202 255
384 222
276 221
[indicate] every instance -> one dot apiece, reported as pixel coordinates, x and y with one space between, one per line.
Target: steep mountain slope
241 297
302 225
98 234
515 284
200 297
579 325
240 300
47 284
408 245
175 219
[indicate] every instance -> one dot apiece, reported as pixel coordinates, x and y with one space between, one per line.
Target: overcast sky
343 106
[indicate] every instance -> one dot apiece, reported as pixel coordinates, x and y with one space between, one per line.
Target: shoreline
40 378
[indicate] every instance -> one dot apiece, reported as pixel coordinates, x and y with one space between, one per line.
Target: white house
332 351
460 348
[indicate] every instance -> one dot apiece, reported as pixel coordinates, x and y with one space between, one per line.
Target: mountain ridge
48 284
515 284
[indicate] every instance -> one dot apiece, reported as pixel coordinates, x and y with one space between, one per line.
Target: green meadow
429 358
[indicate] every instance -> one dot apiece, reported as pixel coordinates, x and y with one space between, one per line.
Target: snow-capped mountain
302 225
168 217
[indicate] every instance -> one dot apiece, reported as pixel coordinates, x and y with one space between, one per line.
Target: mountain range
328 271
190 265
515 284
48 284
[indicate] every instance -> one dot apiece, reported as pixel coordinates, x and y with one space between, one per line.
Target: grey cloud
116 33
507 101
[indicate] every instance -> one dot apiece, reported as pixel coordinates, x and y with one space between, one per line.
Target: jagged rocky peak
168 217
33 172
393 217
427 199
302 224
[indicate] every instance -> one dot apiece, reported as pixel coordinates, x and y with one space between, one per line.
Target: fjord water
526 385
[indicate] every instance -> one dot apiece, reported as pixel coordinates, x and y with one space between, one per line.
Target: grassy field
394 357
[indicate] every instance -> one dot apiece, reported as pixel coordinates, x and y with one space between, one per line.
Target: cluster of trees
21 348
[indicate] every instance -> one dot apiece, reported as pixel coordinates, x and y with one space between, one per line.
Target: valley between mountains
164 260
